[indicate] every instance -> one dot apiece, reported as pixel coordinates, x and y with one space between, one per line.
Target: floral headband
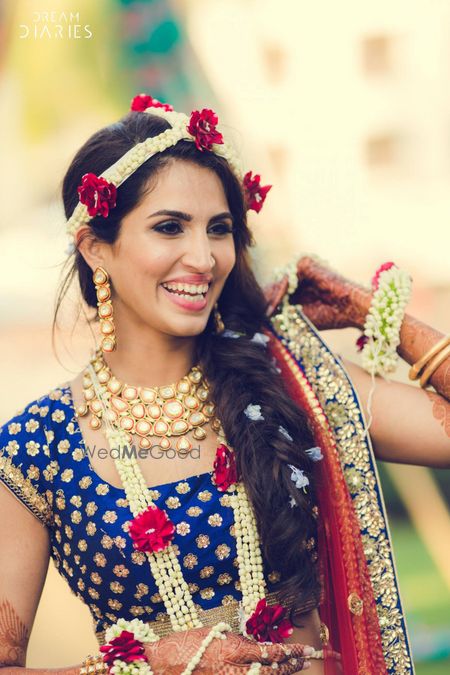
97 194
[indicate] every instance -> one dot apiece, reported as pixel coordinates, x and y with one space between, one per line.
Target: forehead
182 183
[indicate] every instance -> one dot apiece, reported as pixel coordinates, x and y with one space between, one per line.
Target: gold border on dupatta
338 398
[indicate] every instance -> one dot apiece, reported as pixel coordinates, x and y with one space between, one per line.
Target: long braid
240 372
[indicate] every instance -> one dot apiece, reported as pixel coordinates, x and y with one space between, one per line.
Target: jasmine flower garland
392 291
125 653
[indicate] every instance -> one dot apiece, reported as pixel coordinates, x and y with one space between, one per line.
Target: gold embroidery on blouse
24 489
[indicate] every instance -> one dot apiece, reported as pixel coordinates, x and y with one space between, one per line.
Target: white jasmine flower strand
383 321
253 412
298 477
228 333
260 339
285 433
314 453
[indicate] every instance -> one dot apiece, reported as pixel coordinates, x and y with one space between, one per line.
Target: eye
171 225
223 228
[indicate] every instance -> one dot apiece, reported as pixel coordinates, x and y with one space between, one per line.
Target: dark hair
239 371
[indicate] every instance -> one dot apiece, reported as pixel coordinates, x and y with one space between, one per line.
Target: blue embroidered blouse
43 461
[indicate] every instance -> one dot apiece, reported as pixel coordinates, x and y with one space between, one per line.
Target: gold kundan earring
218 323
105 309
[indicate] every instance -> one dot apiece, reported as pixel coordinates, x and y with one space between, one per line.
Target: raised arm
24 558
410 424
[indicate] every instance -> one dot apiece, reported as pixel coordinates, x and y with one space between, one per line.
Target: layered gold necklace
171 410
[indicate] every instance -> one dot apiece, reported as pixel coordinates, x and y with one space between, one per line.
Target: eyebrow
186 216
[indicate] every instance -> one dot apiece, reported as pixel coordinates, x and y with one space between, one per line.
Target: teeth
192 298
187 288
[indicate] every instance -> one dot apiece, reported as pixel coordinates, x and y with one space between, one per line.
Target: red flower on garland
141 102
267 623
202 125
124 647
151 530
255 193
361 341
225 472
98 195
376 276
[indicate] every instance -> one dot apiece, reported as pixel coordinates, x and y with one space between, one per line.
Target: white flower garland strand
384 320
165 566
382 327
250 563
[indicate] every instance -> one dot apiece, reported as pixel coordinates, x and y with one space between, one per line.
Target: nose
198 254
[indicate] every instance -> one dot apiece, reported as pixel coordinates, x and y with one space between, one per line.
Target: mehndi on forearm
14 637
416 338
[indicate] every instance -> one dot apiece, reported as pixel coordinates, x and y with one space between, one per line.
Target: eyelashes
224 227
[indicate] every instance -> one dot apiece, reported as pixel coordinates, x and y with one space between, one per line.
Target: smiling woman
274 533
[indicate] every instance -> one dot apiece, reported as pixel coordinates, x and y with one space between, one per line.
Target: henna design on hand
441 411
416 338
328 299
14 636
231 656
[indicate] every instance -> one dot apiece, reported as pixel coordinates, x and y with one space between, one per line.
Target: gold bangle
93 664
433 365
421 363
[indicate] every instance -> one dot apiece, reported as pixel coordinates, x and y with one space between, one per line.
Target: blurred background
343 107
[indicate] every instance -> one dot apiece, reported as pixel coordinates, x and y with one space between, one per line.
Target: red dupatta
356 606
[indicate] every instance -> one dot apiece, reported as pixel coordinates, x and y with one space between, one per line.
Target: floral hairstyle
239 370
98 193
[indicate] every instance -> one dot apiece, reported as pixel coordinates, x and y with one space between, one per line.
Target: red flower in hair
255 193
98 195
141 102
202 125
225 473
376 276
267 623
151 530
124 647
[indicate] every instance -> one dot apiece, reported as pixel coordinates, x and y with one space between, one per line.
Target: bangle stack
430 361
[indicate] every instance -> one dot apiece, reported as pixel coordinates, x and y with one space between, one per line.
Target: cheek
226 257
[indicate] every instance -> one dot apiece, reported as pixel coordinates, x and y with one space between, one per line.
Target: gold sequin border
338 398
23 489
210 617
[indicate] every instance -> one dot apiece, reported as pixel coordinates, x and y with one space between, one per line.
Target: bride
258 540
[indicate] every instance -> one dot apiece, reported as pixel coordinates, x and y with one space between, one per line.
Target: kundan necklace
171 410
152 532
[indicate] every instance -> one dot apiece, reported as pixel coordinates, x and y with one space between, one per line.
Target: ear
92 249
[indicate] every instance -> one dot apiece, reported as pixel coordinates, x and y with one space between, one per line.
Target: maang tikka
105 309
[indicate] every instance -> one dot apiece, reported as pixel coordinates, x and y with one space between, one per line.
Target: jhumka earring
105 309
218 323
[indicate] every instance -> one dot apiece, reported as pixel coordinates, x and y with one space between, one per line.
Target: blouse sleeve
25 459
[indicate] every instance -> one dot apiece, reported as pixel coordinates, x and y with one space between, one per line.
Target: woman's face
174 252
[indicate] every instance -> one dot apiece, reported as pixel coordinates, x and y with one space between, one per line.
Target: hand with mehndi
328 299
230 656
